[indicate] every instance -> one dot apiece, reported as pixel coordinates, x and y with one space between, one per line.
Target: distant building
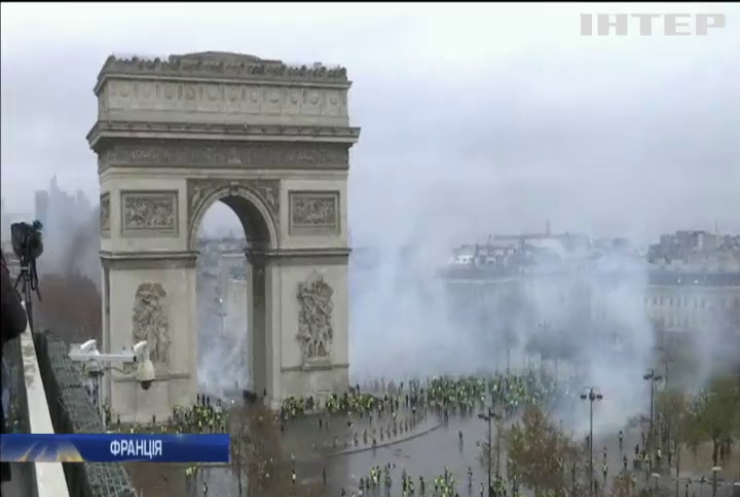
698 290
42 206
518 252
699 251
71 228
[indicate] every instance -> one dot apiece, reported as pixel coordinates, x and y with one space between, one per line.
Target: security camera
93 369
145 373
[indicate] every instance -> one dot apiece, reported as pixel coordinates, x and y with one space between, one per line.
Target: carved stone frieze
315 316
224 98
105 214
151 212
248 155
313 212
150 320
201 190
293 132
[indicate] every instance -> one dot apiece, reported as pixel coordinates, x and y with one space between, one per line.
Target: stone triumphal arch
271 141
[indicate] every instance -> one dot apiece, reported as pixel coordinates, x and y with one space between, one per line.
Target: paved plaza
435 450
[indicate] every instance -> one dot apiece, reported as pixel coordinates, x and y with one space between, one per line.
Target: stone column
259 324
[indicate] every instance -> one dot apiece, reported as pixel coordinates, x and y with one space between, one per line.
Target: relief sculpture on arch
150 321
315 316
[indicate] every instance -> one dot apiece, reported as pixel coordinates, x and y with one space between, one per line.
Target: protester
14 321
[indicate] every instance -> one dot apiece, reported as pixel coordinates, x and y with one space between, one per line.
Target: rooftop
654 276
224 57
221 65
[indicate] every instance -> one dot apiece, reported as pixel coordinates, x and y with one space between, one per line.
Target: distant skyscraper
53 185
82 202
42 206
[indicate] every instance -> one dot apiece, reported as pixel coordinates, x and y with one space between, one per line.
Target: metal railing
29 413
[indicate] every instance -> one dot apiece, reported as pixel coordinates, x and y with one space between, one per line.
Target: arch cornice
262 194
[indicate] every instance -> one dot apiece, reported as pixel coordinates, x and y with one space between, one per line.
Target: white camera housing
145 373
89 354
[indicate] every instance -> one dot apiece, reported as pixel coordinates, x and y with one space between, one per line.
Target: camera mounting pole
88 352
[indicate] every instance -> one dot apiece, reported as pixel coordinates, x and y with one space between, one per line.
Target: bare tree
717 407
257 454
673 407
240 448
158 480
541 456
624 485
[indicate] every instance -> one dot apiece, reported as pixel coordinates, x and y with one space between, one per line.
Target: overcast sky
475 118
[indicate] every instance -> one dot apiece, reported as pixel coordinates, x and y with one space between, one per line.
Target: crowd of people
381 414
205 416
444 485
365 419
509 392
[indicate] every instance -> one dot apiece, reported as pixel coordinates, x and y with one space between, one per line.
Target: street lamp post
488 416
656 478
715 470
652 376
591 394
221 312
666 364
544 331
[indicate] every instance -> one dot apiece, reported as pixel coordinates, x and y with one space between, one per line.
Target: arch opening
231 335
253 215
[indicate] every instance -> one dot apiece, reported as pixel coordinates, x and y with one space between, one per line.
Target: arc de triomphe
270 141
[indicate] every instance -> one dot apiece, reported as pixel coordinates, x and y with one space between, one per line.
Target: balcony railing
29 413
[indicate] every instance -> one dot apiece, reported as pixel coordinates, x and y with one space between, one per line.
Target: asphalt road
430 455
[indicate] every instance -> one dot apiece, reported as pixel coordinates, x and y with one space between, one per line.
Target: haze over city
475 118
472 124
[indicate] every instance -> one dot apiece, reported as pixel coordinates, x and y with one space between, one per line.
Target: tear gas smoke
71 235
223 353
407 321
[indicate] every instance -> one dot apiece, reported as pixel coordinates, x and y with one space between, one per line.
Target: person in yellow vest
189 474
